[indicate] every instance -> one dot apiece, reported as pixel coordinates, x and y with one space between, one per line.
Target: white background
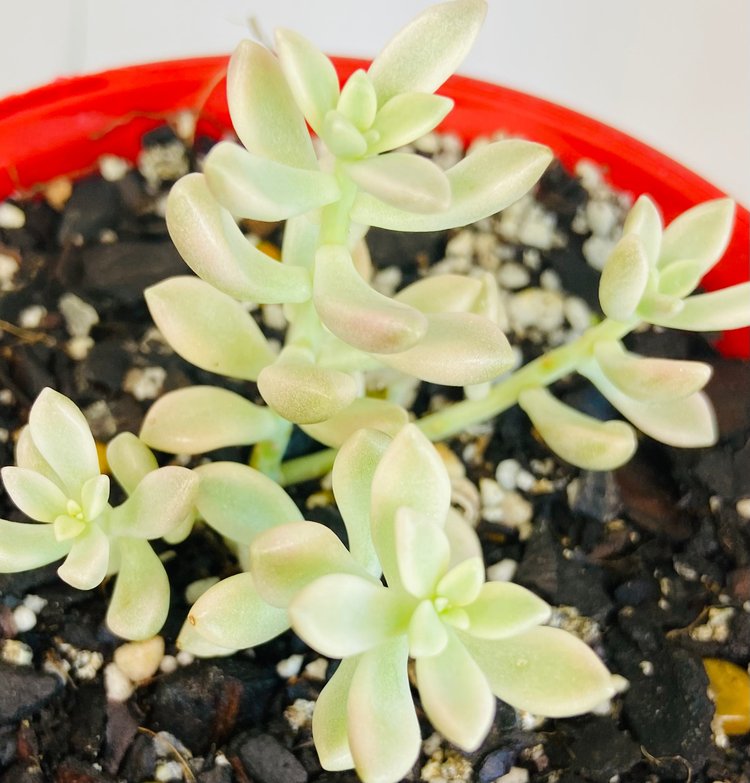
675 73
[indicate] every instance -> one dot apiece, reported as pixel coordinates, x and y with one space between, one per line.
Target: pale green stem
267 455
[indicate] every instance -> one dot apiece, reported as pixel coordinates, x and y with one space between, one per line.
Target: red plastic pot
62 128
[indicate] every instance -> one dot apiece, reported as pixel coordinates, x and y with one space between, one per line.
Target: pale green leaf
351 481
140 601
644 220
213 246
700 234
624 278
680 278
649 379
25 546
656 307
34 494
358 101
329 727
310 75
240 502
504 609
406 181
179 533
384 735
462 584
407 117
442 294
86 564
94 496
159 503
232 614
427 633
545 671
286 558
422 551
263 110
208 328
381 415
463 539
251 186
341 614
129 460
579 439
484 182
61 434
455 695
29 457
342 137
728 308
202 418
355 312
191 641
422 55
300 243
458 349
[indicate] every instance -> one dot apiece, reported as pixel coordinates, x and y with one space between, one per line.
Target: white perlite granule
79 316
145 383
11 216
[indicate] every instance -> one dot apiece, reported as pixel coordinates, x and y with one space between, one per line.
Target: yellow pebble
269 249
101 453
730 685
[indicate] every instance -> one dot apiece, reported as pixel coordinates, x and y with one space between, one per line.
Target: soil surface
649 564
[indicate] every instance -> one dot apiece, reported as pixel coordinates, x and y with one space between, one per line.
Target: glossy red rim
63 128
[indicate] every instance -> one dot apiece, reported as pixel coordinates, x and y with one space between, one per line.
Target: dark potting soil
650 564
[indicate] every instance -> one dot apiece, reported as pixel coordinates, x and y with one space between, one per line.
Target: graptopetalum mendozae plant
412 582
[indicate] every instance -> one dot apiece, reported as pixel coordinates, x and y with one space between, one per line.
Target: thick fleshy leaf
486 181
406 181
644 220
463 539
129 459
341 614
679 278
351 481
462 584
358 101
34 494
422 55
341 136
700 234
263 110
251 186
688 422
191 641
214 247
624 278
159 503
579 439
61 434
208 328
286 558
29 457
355 312
310 75
329 719
240 502
409 474
303 392
86 564
300 243
505 609
427 632
140 600
94 496
442 294
649 379
406 117
232 614
26 546
458 349
455 695
545 671
381 415
422 551
384 735
202 418
719 310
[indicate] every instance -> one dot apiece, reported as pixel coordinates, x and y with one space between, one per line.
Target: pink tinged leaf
231 614
240 502
34 494
442 293
504 609
382 415
455 695
384 735
26 546
329 722
213 246
251 186
728 308
355 312
458 349
546 671
203 418
287 558
263 109
86 564
422 55
208 328
62 436
579 439
624 278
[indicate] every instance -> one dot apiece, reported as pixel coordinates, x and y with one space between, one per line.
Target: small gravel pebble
290 667
79 316
11 216
117 684
31 317
140 660
8 268
502 571
24 618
